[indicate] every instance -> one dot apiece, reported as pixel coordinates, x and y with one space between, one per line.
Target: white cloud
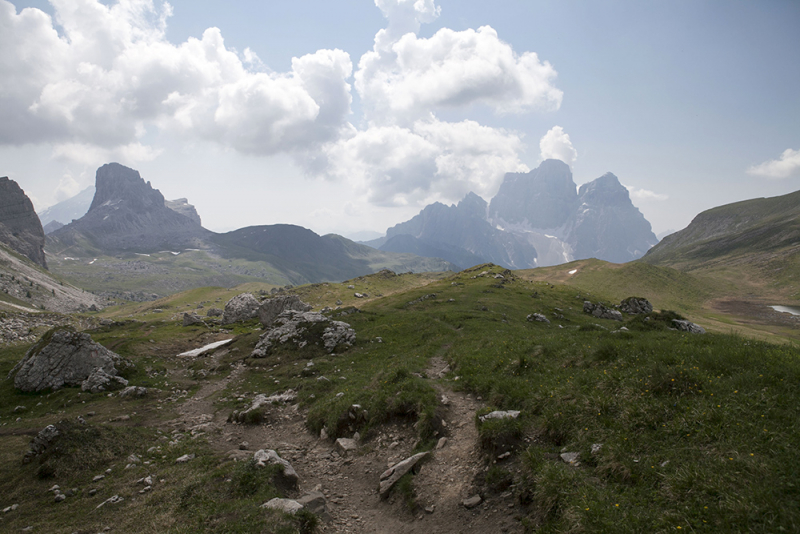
555 144
405 77
645 195
786 166
113 73
67 187
431 160
89 155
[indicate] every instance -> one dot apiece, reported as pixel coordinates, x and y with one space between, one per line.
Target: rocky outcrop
391 476
41 442
300 329
242 307
64 358
635 306
688 326
270 309
288 477
128 215
99 381
182 206
601 312
20 228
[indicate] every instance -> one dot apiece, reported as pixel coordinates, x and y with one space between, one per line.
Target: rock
100 381
190 319
499 414
133 392
41 442
214 312
242 307
270 309
359 295
315 503
635 306
111 500
441 443
133 459
472 502
345 445
596 447
270 457
302 328
390 477
287 506
601 312
60 497
571 458
18 409
688 326
182 206
262 400
185 458
20 228
538 317
64 358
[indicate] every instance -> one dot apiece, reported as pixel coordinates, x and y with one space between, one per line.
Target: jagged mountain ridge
538 219
20 228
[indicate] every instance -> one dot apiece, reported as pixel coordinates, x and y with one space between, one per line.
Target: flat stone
390 477
472 502
441 443
500 414
345 445
571 458
288 506
185 458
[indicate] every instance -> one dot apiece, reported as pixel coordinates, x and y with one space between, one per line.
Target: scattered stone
185 458
430 509
99 381
441 443
596 447
538 317
390 477
190 319
505 455
92 492
64 358
499 414
270 309
359 295
214 312
345 445
206 348
264 457
571 458
19 409
98 478
41 442
60 497
242 307
11 508
688 326
601 312
323 434
315 503
472 502
133 459
111 500
635 306
243 446
288 506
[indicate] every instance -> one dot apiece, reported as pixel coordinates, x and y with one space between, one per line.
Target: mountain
544 198
127 214
304 256
464 227
20 228
68 210
607 225
764 228
183 207
431 249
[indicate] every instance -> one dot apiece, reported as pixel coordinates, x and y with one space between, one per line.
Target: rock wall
20 228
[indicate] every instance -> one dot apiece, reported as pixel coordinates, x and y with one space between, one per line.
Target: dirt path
350 483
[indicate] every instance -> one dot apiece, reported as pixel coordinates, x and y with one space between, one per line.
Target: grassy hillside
673 431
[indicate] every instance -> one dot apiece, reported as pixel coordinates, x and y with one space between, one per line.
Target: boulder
100 381
688 326
315 503
270 309
635 306
242 307
133 392
538 317
601 312
287 506
64 358
190 319
499 414
345 445
301 328
390 477
214 312
269 457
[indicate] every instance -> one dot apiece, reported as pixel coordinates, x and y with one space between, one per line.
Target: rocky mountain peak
115 183
543 198
20 228
182 206
606 189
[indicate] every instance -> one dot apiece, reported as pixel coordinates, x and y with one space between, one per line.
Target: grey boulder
270 309
269 457
242 307
100 381
64 358
635 306
601 312
688 326
301 328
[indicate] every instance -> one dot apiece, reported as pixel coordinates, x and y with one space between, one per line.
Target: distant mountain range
537 219
128 217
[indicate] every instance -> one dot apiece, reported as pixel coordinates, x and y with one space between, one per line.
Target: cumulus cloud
111 73
93 155
555 144
405 77
786 166
640 195
430 160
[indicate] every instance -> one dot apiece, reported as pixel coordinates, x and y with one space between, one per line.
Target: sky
351 116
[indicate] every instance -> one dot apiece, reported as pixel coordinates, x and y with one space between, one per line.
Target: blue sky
692 104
